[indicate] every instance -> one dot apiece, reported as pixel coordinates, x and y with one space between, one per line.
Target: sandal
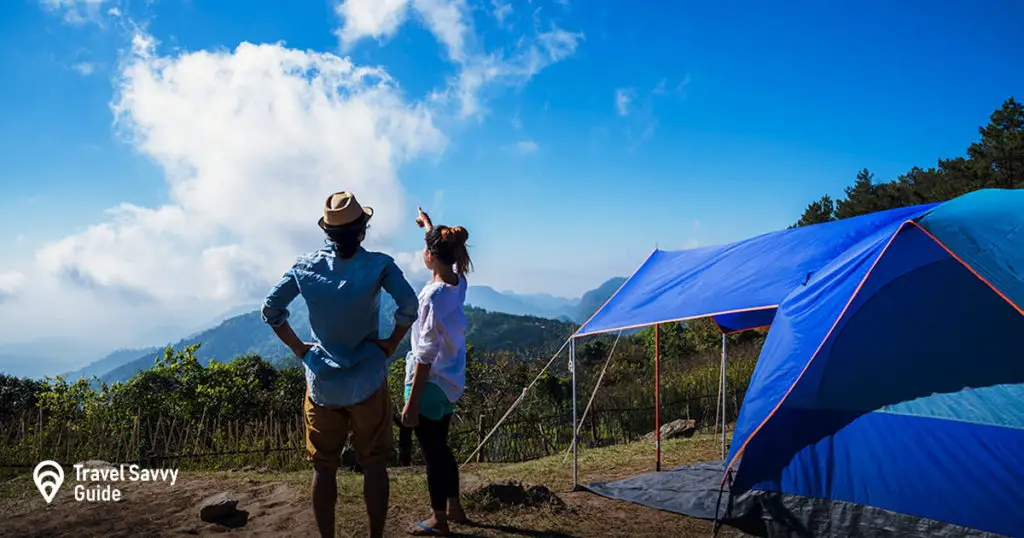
427 530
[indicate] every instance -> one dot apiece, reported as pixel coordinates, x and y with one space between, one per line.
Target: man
346 367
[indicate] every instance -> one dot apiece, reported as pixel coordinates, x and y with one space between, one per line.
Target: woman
435 369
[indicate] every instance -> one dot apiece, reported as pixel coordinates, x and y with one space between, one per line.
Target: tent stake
657 396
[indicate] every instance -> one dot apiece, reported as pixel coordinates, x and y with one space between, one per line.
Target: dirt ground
157 509
279 504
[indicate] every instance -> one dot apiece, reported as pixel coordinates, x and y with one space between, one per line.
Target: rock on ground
218 507
676 429
95 464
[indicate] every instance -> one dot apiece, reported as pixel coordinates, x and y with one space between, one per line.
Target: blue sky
669 123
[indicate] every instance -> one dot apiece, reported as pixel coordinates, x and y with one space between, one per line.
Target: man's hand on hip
387 346
302 349
289 338
391 344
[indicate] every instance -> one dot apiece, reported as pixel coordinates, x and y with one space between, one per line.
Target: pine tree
861 198
994 161
1000 152
821 210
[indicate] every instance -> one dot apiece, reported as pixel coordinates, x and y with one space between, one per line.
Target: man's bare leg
377 492
325 496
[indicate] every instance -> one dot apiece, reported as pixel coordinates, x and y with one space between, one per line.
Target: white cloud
526 60
639 108
525 147
501 11
451 23
623 97
250 142
412 265
636 140
84 68
379 19
660 88
448 20
679 89
10 283
76 11
436 210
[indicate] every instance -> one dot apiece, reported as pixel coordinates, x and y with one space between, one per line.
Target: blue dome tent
889 394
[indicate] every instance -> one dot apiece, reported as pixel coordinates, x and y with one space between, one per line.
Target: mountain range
543 305
497 321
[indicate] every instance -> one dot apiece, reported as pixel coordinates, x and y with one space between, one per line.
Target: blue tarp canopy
740 285
892 378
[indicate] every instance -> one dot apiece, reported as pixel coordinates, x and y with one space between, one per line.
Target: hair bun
457 234
449 245
460 234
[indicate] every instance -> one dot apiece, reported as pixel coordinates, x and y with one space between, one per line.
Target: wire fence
528 438
278 443
211 442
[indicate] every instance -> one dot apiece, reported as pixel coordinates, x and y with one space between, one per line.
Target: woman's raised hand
423 220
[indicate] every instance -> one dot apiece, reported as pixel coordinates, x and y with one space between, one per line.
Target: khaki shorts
369 421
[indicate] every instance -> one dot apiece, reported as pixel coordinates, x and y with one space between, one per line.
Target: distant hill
545 301
233 337
496 331
543 305
37 358
498 321
224 316
488 298
595 299
488 331
112 361
537 305
26 366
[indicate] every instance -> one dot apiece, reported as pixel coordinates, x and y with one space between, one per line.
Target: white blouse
438 337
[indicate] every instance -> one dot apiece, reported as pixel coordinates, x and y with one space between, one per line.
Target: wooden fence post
480 434
138 438
24 435
593 427
736 404
39 435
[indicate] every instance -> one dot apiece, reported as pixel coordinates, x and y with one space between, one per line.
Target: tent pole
575 428
657 396
590 402
724 398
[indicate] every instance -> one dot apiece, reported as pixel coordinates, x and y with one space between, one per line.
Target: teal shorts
434 402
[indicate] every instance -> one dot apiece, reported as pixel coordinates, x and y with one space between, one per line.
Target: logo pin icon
48 477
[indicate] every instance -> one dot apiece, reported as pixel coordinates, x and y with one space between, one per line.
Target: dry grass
278 503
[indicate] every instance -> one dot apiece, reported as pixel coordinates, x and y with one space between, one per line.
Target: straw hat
342 208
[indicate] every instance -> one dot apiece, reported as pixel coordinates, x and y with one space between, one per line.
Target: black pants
442 469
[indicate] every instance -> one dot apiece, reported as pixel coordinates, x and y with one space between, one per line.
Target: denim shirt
344 367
